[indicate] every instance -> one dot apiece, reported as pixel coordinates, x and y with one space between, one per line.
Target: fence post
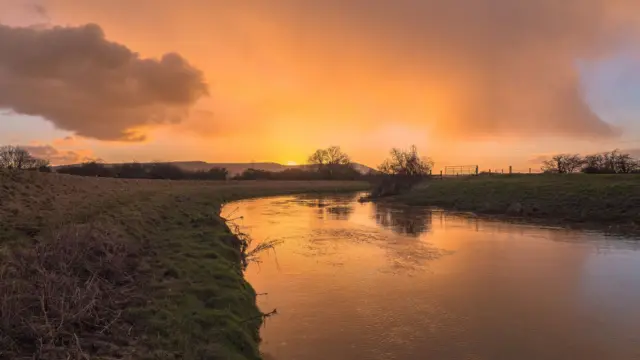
510 170
529 170
476 169
502 171
440 174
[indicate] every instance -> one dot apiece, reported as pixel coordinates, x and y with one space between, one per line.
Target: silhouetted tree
165 171
330 156
90 168
407 163
624 163
296 174
17 158
332 163
211 174
218 173
340 172
132 170
563 164
253 174
136 170
612 162
594 164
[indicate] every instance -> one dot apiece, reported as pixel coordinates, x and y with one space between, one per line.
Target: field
109 268
602 200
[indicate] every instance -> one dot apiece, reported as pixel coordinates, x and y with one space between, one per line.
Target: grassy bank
108 268
577 198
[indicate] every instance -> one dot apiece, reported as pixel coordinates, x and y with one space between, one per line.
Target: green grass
190 299
576 198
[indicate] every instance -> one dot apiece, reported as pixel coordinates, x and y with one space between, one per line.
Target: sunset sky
488 82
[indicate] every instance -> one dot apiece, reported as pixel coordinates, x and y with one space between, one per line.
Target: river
356 280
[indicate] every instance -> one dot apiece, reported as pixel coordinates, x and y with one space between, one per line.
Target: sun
291 163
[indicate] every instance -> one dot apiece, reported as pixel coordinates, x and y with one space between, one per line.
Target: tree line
610 162
136 170
334 164
331 163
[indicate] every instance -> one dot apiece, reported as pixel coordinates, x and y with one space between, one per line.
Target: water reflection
411 221
337 207
339 212
376 281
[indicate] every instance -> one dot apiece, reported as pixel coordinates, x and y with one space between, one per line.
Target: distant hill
237 168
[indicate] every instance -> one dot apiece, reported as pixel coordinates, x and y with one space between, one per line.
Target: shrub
63 296
406 163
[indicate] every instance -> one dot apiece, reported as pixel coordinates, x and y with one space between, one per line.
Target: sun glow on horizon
291 163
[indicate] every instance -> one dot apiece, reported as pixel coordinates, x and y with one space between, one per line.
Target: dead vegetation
66 296
248 252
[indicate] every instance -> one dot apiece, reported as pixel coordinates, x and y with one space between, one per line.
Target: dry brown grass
249 252
65 297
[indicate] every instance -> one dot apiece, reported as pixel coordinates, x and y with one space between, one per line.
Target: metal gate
461 170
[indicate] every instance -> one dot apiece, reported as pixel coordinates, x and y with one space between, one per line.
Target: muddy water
367 281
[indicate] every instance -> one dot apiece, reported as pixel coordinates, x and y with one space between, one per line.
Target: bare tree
593 163
332 163
573 163
563 163
406 162
17 158
330 156
317 158
609 161
625 164
336 156
612 162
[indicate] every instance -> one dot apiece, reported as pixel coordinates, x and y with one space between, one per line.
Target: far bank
611 201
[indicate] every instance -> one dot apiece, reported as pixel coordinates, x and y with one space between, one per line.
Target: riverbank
110 268
610 201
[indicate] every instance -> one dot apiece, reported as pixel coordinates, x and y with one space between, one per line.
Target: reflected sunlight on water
376 281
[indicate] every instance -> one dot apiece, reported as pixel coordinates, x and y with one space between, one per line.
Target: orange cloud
57 156
68 141
472 68
289 76
76 78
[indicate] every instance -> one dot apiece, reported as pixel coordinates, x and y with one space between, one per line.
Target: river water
372 281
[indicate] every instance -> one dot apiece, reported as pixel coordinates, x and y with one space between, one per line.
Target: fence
461 170
473 170
510 170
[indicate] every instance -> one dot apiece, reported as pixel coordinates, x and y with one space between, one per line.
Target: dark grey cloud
82 82
40 10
